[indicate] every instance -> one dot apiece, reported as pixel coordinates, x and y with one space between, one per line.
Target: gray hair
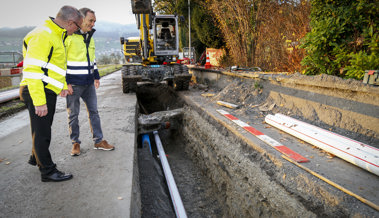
84 11
67 13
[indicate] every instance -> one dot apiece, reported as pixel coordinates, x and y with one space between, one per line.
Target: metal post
146 36
189 30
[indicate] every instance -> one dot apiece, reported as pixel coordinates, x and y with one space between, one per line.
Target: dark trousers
41 130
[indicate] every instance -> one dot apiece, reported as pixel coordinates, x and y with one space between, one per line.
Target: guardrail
9 58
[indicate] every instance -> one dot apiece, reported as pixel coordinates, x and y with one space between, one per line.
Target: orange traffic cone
207 63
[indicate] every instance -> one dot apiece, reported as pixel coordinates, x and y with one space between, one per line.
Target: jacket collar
87 36
55 27
79 32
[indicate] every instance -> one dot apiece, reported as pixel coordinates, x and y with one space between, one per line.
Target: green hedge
344 38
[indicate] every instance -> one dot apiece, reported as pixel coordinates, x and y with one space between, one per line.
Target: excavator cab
166 40
152 56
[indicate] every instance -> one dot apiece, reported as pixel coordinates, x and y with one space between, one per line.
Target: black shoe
56 176
32 160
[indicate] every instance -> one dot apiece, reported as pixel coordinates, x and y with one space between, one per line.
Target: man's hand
64 93
97 83
41 111
70 90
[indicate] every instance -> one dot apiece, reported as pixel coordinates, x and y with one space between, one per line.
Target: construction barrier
371 77
215 55
10 72
208 63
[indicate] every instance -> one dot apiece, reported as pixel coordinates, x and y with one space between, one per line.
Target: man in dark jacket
83 79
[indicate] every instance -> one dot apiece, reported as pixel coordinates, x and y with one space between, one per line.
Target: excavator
153 56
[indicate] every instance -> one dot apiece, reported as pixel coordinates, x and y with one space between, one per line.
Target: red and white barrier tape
270 141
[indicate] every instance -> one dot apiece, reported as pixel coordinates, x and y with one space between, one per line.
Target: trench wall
239 173
135 203
254 183
251 182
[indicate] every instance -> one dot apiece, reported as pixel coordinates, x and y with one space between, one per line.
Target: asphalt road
102 183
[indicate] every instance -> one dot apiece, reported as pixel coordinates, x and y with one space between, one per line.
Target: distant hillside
107 37
103 28
15 32
115 28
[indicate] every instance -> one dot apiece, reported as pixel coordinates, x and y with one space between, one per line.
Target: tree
263 33
104 59
166 6
204 27
234 20
115 58
344 38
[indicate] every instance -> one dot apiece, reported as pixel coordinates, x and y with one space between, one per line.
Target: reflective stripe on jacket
81 63
44 54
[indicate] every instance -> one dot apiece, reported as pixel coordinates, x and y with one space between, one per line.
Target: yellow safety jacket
81 63
45 61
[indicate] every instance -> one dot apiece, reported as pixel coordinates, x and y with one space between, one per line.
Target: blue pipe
146 141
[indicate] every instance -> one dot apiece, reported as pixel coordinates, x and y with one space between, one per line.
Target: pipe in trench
174 193
146 142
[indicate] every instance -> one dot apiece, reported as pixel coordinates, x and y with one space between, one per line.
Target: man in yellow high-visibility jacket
83 79
43 79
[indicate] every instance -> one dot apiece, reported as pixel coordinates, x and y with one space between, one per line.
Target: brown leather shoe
103 145
75 151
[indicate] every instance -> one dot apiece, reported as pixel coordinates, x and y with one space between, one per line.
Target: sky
19 13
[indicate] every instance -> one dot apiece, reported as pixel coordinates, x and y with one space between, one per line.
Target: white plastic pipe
174 193
357 153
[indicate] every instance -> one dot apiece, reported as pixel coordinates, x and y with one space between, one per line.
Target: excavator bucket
141 7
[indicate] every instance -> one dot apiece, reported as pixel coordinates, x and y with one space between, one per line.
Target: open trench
198 195
216 172
221 174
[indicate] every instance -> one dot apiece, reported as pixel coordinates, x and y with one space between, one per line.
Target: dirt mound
245 93
256 99
333 82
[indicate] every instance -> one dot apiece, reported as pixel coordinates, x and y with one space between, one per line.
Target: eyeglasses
76 25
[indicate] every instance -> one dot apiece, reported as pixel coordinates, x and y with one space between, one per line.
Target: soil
195 189
199 186
255 102
232 168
